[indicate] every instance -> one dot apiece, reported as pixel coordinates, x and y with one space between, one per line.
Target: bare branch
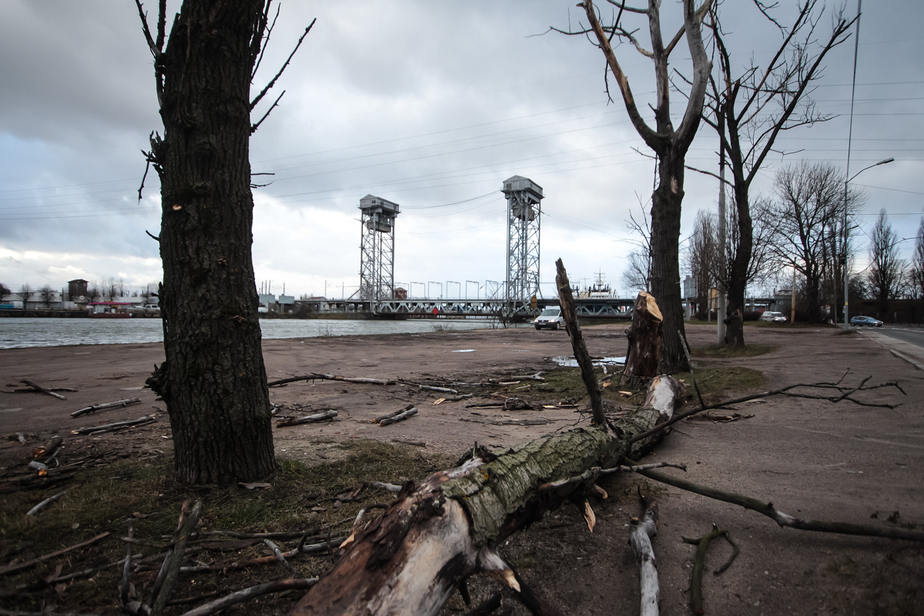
784 519
622 7
283 68
254 127
260 41
152 46
654 140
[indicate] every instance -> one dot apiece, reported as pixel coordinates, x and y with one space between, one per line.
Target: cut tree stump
441 531
644 338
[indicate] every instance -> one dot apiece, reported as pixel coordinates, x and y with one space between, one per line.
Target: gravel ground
812 458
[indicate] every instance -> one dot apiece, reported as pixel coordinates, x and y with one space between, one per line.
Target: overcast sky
428 104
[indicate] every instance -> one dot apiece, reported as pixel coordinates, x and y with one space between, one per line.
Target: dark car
868 321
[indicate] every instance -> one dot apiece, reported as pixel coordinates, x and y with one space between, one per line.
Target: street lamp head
888 160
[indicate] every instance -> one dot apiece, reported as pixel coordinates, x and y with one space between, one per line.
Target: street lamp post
847 269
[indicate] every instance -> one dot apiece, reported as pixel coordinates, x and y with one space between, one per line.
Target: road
905 342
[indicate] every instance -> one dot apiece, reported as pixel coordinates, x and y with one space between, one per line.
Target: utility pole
723 299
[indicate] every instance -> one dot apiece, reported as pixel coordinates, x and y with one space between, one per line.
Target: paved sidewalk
911 353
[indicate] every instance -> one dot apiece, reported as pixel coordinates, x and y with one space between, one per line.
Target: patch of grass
566 384
721 351
301 499
715 383
718 382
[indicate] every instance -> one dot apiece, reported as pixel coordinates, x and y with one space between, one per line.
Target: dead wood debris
578 345
119 425
49 449
508 404
315 376
508 422
249 593
642 529
699 564
38 388
445 390
297 421
407 412
784 519
846 393
31 563
45 502
721 418
105 405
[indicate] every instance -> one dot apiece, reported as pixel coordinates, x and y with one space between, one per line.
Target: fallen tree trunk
438 533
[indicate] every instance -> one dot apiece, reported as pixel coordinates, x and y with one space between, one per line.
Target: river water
44 332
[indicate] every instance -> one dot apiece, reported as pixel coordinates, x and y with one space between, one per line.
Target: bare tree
47 294
916 269
25 292
750 110
669 143
703 258
149 291
809 211
4 290
213 380
93 292
109 289
637 275
886 269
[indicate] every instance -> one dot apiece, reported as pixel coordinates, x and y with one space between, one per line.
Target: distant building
285 303
76 288
267 302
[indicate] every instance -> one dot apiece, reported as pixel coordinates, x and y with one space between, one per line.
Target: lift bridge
517 299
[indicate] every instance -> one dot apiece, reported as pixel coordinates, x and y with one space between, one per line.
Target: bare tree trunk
213 380
665 258
737 283
645 338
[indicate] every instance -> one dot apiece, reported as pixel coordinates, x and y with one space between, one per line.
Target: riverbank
812 458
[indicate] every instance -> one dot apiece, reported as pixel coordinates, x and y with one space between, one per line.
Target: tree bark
409 560
213 380
670 144
645 338
665 261
578 345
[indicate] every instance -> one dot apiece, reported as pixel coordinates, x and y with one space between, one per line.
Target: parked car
868 321
550 317
774 317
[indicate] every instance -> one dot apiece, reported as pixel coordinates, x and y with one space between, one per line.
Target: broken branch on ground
292 421
106 405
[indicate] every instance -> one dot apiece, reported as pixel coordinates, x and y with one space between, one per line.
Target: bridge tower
377 246
523 216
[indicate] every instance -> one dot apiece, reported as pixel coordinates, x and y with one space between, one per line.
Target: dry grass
302 500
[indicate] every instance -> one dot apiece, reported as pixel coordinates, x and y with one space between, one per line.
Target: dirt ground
811 458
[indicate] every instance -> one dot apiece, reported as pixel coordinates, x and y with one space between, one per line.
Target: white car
774 317
550 317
